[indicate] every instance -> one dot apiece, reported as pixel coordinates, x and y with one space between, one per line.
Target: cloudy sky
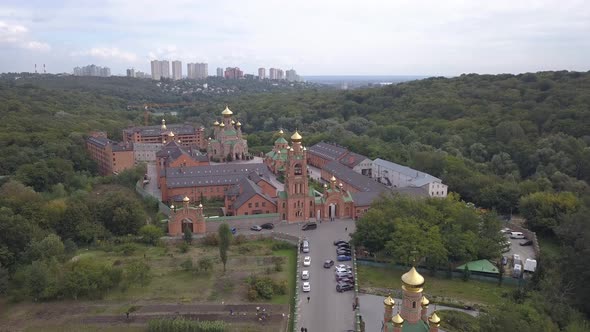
317 37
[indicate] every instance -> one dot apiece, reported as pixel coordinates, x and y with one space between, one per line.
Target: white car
306 286
304 275
306 261
342 266
342 269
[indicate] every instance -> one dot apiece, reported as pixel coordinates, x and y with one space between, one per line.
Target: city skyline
333 37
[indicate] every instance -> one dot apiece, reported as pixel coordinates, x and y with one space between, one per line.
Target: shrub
281 245
252 294
240 239
264 288
205 264
150 234
183 247
188 236
127 249
280 287
185 325
211 239
278 266
187 265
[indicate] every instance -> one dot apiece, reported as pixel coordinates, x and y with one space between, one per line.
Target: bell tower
297 201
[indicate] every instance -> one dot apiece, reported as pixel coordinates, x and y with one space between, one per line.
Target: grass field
472 291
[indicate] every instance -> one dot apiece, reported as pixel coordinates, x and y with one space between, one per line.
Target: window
414 305
283 207
249 205
264 204
256 204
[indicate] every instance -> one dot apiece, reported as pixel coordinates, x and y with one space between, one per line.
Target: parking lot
515 248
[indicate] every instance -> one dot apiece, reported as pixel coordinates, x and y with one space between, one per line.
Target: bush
187 265
70 247
280 287
264 287
278 266
127 249
240 239
281 245
185 325
211 239
183 247
205 264
150 234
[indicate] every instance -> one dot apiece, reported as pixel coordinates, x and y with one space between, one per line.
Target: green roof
420 326
230 132
281 140
283 194
482 265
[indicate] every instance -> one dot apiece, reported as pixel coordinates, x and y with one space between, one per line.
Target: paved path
152 186
371 309
327 309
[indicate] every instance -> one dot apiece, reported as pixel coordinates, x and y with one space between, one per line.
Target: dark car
342 287
337 242
342 258
328 264
268 225
343 252
309 225
234 230
346 281
343 246
527 243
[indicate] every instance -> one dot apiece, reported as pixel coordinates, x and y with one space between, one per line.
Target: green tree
50 246
150 234
543 211
224 242
138 272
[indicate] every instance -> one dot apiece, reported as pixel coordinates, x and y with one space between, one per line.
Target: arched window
414 305
297 169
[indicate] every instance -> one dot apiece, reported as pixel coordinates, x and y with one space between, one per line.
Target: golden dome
163 124
304 148
222 125
233 122
333 179
216 123
226 112
389 301
425 302
434 319
291 149
340 185
172 207
200 205
281 132
397 320
238 124
412 280
171 134
325 185
296 137
185 199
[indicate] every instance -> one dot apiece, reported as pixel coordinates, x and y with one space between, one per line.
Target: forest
514 144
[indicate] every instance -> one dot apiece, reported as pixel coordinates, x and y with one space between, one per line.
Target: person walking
308 299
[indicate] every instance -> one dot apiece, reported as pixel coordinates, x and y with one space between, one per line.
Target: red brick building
111 157
184 134
186 218
249 198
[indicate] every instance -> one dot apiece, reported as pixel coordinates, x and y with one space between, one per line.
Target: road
152 186
327 309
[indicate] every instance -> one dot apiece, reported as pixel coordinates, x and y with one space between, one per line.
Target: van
516 235
305 246
309 225
517 271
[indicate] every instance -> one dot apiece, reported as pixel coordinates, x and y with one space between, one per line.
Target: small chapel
227 143
186 218
412 314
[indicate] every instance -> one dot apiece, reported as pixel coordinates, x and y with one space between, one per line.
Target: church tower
295 204
412 287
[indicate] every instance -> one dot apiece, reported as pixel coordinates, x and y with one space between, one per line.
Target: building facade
185 134
111 157
186 218
398 176
227 143
275 159
156 70
219 72
261 73
176 70
233 73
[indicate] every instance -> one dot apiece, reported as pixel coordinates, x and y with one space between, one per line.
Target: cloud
108 53
36 46
15 35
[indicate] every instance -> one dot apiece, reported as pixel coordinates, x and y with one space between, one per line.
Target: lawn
445 290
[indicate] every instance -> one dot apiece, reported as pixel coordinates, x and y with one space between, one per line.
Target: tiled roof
327 151
173 150
281 140
178 129
247 189
102 142
198 176
418 178
351 159
358 181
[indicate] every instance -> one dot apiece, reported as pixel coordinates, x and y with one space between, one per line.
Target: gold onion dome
185 199
390 302
172 207
238 124
425 302
216 123
397 320
233 122
296 137
291 149
304 148
412 280
281 132
222 125
163 124
200 205
434 319
333 179
226 112
171 134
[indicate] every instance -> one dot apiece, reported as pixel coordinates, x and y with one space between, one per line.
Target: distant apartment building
276 74
165 68
111 157
261 73
160 69
292 75
272 73
219 72
140 74
176 70
197 71
233 73
131 72
92 70
280 74
184 134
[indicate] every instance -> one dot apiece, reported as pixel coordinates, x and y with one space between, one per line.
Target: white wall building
146 152
176 70
398 176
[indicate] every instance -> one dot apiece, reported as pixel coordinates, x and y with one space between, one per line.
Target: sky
318 37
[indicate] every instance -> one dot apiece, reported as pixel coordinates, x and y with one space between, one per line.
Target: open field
173 291
470 292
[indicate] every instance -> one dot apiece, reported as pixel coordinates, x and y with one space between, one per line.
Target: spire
163 127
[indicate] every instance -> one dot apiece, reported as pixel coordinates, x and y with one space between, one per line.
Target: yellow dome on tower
412 280
333 179
185 199
281 132
434 319
222 125
390 302
425 302
397 320
227 112
233 122
239 124
296 137
216 123
171 134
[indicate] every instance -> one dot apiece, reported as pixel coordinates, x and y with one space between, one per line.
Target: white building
176 70
146 152
156 70
165 68
398 176
261 73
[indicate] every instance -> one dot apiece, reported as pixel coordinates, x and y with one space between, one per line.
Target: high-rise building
92 70
272 73
261 73
233 73
219 72
176 70
202 70
165 68
280 74
130 72
292 75
156 70
276 74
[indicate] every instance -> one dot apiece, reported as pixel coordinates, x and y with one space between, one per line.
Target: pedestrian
308 299
302 329
231 312
127 313
353 306
346 229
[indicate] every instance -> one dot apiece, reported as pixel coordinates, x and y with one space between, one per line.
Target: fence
161 206
357 310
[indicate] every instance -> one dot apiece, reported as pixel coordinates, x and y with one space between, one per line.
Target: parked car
345 266
234 230
305 246
306 261
306 286
527 243
343 274
345 280
337 242
342 258
268 225
256 228
504 260
328 264
343 287
342 270
309 225
304 275
506 230
343 245
343 252
517 235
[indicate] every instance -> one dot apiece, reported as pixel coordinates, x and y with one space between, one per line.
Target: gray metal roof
358 181
210 175
178 129
365 198
173 150
327 150
102 142
419 178
351 159
246 189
